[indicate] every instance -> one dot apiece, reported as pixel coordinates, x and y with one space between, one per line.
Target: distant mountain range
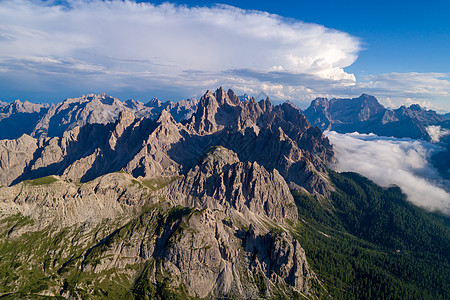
38 120
366 115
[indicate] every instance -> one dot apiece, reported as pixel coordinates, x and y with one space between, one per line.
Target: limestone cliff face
43 120
221 181
15 155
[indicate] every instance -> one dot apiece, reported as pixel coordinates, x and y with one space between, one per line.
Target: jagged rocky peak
153 103
234 99
220 97
204 121
222 181
250 126
320 101
335 113
165 117
125 119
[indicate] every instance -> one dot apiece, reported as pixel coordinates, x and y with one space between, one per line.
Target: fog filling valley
391 161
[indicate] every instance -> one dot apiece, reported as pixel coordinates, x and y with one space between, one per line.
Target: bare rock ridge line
277 138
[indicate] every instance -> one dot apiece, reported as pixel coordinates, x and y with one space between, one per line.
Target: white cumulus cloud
391 161
124 45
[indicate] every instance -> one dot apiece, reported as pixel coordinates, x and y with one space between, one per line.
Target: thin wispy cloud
391 161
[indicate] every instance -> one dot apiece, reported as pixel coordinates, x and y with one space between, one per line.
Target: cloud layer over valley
390 161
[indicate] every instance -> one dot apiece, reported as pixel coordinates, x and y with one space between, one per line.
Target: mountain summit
276 137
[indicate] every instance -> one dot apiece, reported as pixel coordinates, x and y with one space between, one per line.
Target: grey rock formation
164 234
153 208
15 155
221 181
89 109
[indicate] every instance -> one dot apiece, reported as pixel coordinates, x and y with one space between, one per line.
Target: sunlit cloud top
388 161
118 45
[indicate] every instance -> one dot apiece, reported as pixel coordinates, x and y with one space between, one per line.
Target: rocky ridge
234 246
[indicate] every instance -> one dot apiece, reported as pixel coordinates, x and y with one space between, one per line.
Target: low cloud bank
436 132
390 161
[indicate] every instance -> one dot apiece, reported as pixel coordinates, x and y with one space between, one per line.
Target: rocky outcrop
15 155
62 203
365 115
222 182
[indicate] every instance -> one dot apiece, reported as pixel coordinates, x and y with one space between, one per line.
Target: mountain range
363 114
38 120
212 198
366 115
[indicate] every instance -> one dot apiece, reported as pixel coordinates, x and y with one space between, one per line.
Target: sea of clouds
391 161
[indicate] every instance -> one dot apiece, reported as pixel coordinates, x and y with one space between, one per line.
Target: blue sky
297 50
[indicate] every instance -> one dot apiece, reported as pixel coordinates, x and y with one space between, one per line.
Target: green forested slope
367 242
